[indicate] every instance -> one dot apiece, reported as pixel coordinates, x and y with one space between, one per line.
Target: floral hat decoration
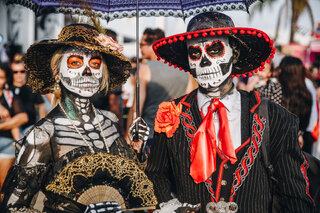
254 46
38 56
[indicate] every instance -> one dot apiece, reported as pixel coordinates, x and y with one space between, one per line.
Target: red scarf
204 145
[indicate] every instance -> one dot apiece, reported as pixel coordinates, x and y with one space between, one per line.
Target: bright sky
265 21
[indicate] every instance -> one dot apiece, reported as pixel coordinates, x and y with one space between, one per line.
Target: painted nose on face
87 72
205 62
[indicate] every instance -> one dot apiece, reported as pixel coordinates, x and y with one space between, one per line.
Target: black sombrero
255 46
38 57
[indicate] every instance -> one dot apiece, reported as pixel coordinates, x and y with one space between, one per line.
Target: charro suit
246 182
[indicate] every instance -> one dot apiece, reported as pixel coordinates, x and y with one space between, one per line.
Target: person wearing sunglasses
12 115
33 102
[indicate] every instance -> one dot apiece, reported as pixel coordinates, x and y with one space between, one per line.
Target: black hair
296 97
112 34
153 35
9 78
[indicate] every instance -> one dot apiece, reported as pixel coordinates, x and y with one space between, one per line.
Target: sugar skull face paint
210 60
81 71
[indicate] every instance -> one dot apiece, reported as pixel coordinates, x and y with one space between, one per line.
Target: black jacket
169 162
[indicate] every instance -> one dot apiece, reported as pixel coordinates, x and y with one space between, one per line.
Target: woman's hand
143 134
103 207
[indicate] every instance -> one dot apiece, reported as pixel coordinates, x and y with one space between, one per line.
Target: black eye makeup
215 49
195 53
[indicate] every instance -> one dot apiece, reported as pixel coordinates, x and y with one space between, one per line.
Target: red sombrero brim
255 46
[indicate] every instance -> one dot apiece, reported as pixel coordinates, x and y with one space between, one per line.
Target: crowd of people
294 86
19 110
181 113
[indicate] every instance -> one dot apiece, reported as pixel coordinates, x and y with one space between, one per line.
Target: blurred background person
49 26
315 77
296 97
12 116
14 14
264 82
158 81
312 131
314 74
32 102
128 90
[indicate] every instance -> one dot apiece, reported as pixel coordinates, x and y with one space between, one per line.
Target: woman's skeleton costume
74 128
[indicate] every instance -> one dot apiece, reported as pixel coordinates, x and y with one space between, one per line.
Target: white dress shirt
232 102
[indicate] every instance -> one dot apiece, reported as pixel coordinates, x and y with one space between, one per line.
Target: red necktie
204 145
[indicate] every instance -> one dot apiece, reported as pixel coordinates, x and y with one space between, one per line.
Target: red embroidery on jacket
249 157
209 185
303 168
257 95
186 121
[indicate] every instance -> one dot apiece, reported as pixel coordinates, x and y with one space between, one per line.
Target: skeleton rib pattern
66 135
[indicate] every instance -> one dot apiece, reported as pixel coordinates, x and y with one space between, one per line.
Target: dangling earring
57 92
57 85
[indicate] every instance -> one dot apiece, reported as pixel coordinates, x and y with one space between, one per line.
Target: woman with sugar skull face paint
62 154
210 146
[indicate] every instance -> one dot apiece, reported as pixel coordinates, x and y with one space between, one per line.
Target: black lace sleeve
21 184
125 150
28 175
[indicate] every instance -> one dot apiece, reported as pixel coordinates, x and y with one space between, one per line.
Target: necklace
77 130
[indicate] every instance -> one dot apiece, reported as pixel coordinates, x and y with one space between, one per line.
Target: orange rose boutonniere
168 118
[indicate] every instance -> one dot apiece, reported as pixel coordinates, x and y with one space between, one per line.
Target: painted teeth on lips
209 76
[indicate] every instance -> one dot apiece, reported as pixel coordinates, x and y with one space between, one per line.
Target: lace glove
111 207
143 132
174 206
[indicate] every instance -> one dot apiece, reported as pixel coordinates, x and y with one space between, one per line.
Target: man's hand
143 134
111 207
174 206
188 208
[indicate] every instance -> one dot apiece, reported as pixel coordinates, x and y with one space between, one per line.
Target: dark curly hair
296 98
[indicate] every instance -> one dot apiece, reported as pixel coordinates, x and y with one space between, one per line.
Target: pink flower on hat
105 41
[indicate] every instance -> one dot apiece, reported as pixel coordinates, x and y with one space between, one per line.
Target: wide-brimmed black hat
254 46
38 57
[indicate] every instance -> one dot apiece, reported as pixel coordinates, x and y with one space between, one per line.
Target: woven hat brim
38 59
255 46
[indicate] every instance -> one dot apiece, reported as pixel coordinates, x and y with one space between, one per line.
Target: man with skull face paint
208 144
75 67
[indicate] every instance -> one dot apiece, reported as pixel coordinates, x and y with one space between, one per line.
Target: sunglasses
23 72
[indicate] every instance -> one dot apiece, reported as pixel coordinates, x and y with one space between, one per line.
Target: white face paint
81 71
210 60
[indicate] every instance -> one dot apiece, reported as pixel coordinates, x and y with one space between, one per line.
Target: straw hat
38 57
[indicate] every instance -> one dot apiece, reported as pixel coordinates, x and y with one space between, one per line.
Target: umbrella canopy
113 9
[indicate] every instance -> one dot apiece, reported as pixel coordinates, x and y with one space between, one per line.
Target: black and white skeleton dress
50 146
